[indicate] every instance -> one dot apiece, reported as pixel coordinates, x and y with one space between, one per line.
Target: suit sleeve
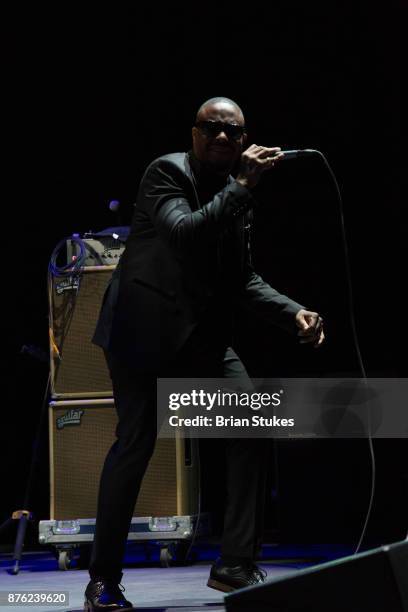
164 197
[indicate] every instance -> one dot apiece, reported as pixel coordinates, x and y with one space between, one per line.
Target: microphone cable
355 341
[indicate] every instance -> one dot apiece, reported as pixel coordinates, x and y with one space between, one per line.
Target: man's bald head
223 102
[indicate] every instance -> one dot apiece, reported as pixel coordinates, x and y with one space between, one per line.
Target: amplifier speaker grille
81 433
74 308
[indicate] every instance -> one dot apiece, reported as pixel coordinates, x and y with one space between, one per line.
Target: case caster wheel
64 559
166 556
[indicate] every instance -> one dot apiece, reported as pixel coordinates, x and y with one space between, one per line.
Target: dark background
89 99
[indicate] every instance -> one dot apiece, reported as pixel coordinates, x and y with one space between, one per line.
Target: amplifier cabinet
80 435
98 250
78 367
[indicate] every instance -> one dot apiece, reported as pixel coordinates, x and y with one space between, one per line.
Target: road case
174 535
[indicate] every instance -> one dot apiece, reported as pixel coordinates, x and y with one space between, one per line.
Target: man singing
168 313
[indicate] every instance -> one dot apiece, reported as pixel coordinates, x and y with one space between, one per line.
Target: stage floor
174 589
148 586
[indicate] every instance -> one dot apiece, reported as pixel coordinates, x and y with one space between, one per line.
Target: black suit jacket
183 259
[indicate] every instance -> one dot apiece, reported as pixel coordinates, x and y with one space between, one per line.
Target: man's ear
244 139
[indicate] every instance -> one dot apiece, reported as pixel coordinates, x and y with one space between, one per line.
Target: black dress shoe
105 595
226 579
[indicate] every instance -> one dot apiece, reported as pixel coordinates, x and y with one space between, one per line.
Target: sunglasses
213 128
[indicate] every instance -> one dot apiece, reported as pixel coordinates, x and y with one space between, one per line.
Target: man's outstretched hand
311 327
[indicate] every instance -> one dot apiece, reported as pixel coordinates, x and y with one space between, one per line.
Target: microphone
298 153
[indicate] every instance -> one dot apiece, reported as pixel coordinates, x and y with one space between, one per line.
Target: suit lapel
188 170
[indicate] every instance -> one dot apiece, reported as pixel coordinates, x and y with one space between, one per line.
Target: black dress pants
127 460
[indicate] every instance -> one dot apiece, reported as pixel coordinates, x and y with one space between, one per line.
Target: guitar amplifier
81 433
78 367
97 250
